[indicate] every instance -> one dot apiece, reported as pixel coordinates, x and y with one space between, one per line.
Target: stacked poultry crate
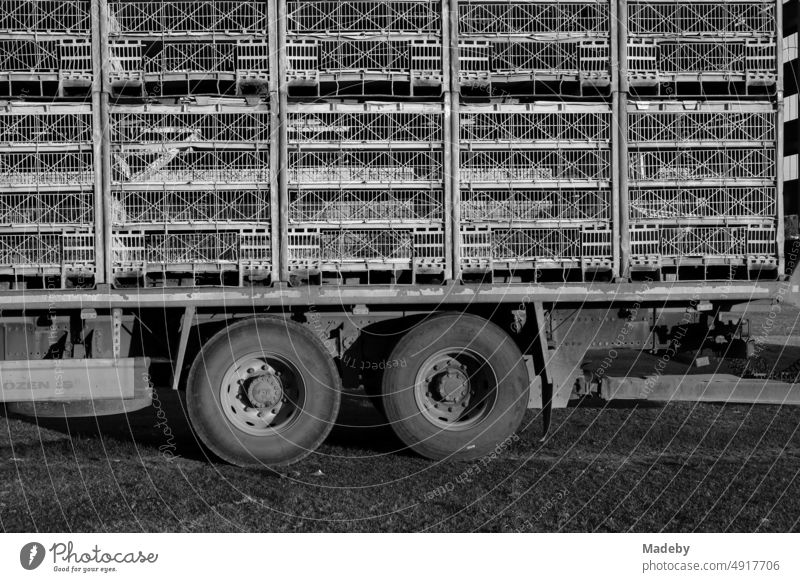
703 185
563 45
47 154
535 150
673 45
364 46
45 48
188 47
191 171
365 173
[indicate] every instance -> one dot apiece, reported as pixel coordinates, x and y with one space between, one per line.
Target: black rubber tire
293 342
455 331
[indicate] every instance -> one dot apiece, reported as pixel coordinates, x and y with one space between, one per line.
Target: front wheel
462 388
263 392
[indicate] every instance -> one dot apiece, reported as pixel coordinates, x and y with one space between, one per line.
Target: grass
678 467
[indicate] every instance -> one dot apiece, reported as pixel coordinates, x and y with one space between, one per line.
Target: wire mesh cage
701 165
165 67
67 254
185 165
46 210
201 207
554 124
509 42
364 41
372 123
407 248
521 206
44 67
43 16
362 206
701 123
209 124
691 245
185 17
136 253
494 247
512 165
25 125
68 168
702 41
349 167
722 203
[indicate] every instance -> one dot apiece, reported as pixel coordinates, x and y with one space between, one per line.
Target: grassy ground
643 468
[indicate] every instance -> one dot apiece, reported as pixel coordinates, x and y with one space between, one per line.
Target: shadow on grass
165 426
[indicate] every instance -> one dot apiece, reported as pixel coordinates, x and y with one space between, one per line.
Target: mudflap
77 388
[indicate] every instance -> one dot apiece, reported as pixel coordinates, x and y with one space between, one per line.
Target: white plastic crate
499 247
164 67
697 245
321 248
137 253
66 254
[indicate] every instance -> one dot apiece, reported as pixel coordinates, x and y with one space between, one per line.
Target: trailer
457 209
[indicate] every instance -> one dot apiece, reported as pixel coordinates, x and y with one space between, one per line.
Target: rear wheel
263 392
461 388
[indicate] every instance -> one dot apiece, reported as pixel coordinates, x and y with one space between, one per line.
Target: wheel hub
264 390
452 385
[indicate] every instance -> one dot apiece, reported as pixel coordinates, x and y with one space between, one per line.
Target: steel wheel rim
455 389
254 419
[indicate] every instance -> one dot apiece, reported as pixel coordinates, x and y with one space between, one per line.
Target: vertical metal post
103 207
98 157
274 143
283 144
454 195
620 104
615 212
780 235
448 191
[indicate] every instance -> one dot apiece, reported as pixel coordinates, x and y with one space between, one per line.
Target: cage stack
535 151
191 134
365 172
674 47
364 46
703 184
564 46
45 48
47 154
